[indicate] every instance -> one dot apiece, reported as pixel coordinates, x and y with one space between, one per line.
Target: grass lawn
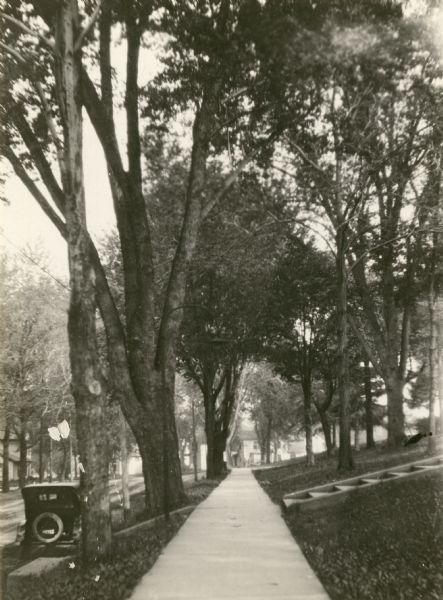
384 542
298 475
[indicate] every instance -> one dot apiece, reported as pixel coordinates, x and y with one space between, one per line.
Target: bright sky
24 223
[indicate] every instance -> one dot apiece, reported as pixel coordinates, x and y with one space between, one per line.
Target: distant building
246 445
13 457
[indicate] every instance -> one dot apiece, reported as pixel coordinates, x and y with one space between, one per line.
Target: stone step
313 498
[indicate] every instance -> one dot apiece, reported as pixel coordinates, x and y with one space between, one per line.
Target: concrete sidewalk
234 545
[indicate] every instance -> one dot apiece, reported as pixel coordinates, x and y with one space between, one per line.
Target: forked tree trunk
87 382
218 421
5 466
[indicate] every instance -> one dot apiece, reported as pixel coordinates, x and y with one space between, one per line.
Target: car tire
47 520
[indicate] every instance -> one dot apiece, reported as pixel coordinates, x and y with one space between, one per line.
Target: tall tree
34 348
228 296
61 49
359 165
208 58
301 328
270 406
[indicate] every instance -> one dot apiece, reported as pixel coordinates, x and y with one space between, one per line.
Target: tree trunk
394 391
125 472
220 449
5 468
50 461
181 449
345 460
217 422
326 427
369 417
334 434
440 383
233 427
210 435
41 466
262 453
69 472
64 466
394 378
216 447
276 446
23 464
158 444
433 346
268 440
307 414
357 435
194 441
87 382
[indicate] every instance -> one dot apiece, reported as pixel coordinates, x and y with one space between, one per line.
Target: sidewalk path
234 545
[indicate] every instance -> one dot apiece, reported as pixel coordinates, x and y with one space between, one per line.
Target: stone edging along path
322 495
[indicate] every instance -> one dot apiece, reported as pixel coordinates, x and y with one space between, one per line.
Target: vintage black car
52 513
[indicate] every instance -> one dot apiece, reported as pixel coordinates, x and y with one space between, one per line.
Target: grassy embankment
382 543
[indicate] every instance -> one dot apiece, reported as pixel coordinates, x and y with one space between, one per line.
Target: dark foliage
382 542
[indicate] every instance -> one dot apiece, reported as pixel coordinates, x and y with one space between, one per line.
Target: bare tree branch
49 43
365 346
88 26
227 184
51 126
22 174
